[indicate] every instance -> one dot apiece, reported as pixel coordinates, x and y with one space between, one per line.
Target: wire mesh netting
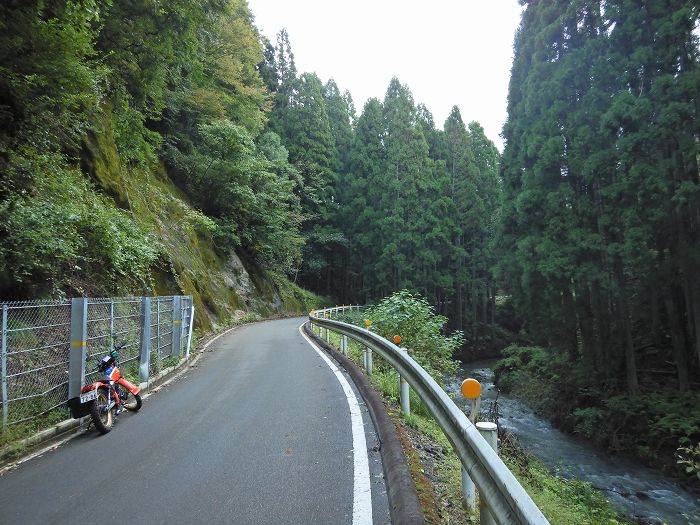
114 324
161 332
36 346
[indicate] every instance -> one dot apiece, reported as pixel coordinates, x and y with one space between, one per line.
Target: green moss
187 260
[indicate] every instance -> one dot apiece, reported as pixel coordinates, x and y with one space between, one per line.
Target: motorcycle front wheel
101 416
132 403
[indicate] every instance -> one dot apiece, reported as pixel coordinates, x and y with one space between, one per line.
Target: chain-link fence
38 338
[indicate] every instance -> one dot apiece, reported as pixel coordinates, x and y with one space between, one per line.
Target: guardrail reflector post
471 389
490 433
328 336
78 346
145 356
177 326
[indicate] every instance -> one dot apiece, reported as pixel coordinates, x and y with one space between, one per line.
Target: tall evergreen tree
595 233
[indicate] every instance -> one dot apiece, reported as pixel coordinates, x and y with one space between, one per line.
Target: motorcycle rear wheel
101 417
133 402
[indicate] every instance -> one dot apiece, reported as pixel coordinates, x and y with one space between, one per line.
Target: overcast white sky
447 51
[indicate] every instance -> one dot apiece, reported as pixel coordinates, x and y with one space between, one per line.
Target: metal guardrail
505 498
43 345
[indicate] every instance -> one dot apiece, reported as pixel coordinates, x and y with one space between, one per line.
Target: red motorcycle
106 398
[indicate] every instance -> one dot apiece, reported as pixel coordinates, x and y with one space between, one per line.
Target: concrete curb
403 499
67 425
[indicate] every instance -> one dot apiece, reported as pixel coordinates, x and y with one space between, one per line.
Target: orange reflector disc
471 389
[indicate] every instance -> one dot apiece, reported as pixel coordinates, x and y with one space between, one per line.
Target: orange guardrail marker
368 322
397 339
471 389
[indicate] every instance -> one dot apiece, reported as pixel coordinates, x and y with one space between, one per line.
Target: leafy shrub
64 231
411 317
689 459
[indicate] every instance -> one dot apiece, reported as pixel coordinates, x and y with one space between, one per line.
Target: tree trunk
678 341
630 362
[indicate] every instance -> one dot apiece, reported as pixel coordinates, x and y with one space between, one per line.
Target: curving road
259 431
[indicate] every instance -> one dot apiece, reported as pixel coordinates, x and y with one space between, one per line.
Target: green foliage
63 232
411 317
176 81
689 459
597 239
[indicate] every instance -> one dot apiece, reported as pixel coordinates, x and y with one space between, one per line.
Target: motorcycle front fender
131 388
94 386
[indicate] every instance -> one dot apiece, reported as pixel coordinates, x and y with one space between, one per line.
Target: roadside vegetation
434 465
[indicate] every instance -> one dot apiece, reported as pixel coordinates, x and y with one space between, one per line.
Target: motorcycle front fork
118 400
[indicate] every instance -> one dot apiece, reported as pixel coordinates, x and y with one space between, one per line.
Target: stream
634 489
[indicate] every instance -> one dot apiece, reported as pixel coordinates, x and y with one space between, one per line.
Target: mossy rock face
188 262
100 159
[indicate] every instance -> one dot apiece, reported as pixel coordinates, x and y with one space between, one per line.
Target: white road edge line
362 493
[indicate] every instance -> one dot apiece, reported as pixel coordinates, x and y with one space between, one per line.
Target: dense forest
390 201
598 243
143 143
102 106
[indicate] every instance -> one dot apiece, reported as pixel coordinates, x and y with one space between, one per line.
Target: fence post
403 389
145 357
189 328
5 408
177 325
78 346
183 317
158 329
111 323
490 433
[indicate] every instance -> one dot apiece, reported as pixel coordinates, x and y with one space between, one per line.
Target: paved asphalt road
258 432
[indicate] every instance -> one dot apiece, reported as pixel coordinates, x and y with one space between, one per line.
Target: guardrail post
177 326
78 346
403 390
345 344
328 336
145 357
5 408
490 433
369 362
468 490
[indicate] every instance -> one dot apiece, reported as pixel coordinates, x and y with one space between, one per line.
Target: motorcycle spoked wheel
132 403
102 418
